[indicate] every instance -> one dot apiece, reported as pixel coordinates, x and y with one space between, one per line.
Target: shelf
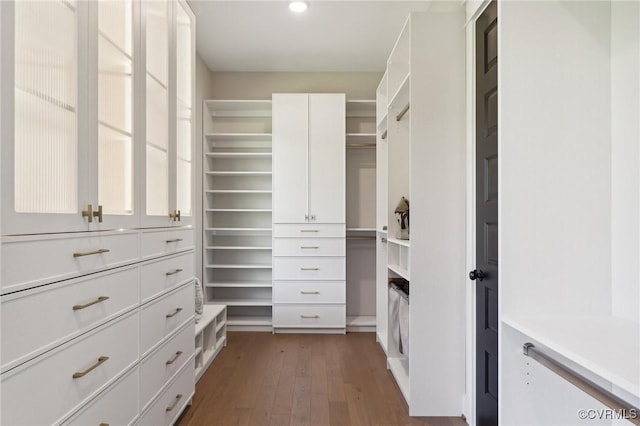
239 137
404 243
220 326
239 154
400 99
239 108
357 139
243 173
398 270
209 313
240 284
238 266
361 321
239 231
606 346
361 230
361 108
239 191
241 210
382 124
237 248
249 321
198 350
243 302
400 372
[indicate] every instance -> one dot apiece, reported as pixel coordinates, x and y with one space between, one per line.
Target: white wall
625 158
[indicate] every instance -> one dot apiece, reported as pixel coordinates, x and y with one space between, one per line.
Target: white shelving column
237 210
361 210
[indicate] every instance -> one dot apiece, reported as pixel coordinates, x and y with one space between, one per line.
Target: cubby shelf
238 284
210 336
226 154
239 137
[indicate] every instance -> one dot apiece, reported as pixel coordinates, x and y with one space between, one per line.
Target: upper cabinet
77 106
309 158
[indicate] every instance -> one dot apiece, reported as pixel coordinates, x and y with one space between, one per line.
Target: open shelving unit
237 210
211 336
361 202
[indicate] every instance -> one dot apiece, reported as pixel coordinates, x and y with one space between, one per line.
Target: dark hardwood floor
301 379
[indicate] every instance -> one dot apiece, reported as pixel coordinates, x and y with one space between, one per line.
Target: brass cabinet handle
306 217
80 374
103 424
98 214
172 406
175 215
309 247
309 292
86 305
172 360
384 228
309 316
176 312
309 230
174 240
174 272
88 213
89 253
309 269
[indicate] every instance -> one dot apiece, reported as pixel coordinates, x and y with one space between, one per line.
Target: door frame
474 8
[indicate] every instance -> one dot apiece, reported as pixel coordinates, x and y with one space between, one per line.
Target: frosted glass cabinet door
43 189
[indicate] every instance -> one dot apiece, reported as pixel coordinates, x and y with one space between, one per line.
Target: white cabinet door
290 158
43 116
327 158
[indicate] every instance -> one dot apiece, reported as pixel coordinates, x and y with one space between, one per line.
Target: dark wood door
486 273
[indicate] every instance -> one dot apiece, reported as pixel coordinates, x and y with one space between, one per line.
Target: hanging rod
384 135
607 398
361 145
361 238
402 113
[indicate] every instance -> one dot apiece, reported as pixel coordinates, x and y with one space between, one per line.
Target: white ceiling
331 36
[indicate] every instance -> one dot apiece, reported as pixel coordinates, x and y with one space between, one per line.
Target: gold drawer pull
103 424
309 292
174 272
309 247
86 305
309 316
309 269
174 240
89 253
80 374
176 312
172 406
172 360
309 230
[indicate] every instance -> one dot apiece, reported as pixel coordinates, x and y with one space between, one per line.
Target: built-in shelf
249 321
404 243
237 248
238 266
361 140
400 99
240 210
239 137
239 284
239 108
210 336
603 345
361 321
239 154
240 173
404 273
238 191
244 302
361 108
400 371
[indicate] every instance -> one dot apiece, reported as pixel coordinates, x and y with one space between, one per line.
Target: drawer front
309 316
309 268
49 315
162 275
166 241
309 247
166 409
49 380
27 262
118 405
161 317
160 366
309 230
309 292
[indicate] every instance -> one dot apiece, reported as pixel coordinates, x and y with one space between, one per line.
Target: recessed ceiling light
298 6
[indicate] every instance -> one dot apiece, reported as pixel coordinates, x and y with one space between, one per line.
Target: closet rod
607 398
402 113
384 135
361 145
361 238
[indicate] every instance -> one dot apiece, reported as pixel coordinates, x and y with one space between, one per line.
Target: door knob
476 274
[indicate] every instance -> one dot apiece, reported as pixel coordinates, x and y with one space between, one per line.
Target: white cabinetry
420 123
211 336
309 212
94 322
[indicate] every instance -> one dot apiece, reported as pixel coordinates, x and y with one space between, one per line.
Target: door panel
487 217
327 158
290 158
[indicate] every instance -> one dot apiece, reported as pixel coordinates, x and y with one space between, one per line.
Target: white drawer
309 247
161 365
162 316
39 319
309 268
49 382
160 242
309 230
164 274
309 316
309 292
118 405
27 262
168 406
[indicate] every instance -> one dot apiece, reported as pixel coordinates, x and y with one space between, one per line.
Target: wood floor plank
338 413
301 408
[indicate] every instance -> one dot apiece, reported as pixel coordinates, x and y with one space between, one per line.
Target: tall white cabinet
96 296
309 212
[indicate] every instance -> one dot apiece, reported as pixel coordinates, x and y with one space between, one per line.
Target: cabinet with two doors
309 267
96 117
